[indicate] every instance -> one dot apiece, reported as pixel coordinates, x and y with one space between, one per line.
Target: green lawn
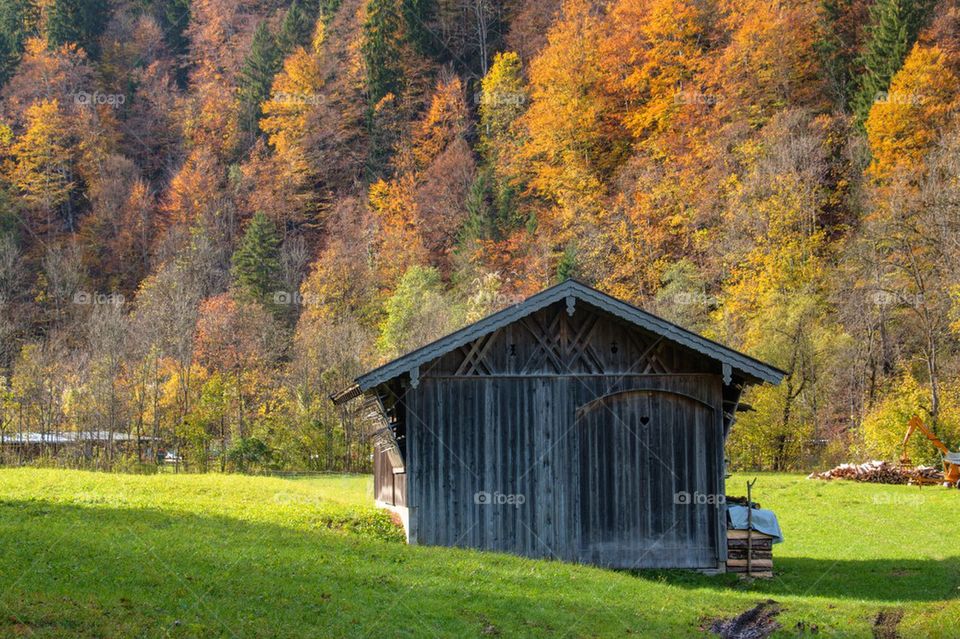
95 555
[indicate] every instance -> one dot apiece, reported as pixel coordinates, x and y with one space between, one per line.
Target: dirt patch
757 623
885 624
904 572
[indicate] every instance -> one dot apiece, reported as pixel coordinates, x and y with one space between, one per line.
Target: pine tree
567 265
893 28
14 18
256 262
296 29
418 15
837 45
256 77
77 21
174 18
382 48
8 57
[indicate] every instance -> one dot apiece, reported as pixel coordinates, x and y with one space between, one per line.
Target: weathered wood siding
388 487
569 437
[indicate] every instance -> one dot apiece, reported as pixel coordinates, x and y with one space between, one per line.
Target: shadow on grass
85 571
881 580
95 571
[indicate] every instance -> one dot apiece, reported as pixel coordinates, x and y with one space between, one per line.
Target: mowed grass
97 555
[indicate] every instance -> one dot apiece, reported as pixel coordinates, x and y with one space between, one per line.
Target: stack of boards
759 548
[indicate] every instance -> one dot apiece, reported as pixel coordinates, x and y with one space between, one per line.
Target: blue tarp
763 521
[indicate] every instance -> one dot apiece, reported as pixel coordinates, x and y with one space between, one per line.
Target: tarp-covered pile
881 472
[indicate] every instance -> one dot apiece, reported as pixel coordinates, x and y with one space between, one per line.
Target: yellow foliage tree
886 423
401 247
769 62
570 127
43 162
503 99
445 120
904 123
666 55
295 90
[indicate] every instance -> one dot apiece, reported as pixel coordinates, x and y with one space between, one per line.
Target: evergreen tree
15 16
174 16
418 15
893 28
382 48
837 46
8 57
567 266
256 77
297 27
77 21
256 262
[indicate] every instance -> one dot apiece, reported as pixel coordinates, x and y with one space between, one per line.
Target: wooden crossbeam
474 362
543 345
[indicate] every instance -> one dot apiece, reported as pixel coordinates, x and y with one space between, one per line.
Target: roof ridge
569 287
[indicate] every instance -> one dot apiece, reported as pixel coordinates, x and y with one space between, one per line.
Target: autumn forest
215 213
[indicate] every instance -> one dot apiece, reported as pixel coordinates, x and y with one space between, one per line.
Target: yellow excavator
951 461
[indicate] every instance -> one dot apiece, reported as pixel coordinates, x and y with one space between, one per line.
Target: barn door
648 481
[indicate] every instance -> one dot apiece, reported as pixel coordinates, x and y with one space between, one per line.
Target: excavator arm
913 425
951 467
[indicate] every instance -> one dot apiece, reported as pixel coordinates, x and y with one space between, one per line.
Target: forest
215 213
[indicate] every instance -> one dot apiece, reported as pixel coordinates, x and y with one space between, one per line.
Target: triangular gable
569 292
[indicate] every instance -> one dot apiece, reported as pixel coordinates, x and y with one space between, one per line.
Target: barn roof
570 291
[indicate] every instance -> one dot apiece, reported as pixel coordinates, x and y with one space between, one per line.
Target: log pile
759 548
881 472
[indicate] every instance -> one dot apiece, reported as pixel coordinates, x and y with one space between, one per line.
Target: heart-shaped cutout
644 420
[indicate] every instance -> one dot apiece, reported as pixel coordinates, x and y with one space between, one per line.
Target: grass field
95 555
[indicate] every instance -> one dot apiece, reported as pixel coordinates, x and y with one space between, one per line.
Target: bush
248 451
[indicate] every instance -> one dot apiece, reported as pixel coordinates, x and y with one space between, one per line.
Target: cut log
758 564
756 554
742 534
881 472
758 544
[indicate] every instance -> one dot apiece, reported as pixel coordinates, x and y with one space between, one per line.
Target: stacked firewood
926 475
881 472
742 544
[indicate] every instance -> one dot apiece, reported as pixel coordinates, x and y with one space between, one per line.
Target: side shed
571 425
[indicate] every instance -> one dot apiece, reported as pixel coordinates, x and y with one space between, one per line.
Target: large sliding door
648 483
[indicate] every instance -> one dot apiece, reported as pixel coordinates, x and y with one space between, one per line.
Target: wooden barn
571 425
